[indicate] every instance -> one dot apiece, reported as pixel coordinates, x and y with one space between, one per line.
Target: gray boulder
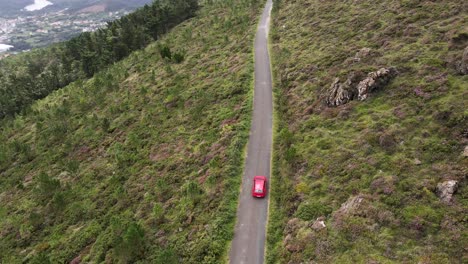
351 205
340 93
319 224
362 53
463 64
374 81
446 189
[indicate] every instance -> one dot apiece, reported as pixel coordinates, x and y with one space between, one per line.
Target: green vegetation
142 163
390 150
33 75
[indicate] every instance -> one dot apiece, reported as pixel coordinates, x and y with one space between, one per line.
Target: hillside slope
358 181
140 164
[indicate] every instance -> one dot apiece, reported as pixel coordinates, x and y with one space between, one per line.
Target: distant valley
31 24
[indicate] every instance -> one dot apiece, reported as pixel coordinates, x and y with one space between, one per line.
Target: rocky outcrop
351 205
361 54
355 206
356 87
465 152
462 66
319 224
290 242
446 189
342 93
374 81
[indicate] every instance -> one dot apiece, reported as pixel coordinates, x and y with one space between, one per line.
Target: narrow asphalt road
248 245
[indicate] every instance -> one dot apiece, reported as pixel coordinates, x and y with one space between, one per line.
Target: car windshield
258 191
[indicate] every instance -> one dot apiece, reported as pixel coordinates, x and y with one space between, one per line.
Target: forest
33 75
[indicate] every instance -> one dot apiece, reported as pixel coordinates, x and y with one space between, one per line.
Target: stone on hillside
465 152
76 260
339 93
463 64
319 224
342 93
417 161
358 87
351 205
446 189
374 81
293 225
362 53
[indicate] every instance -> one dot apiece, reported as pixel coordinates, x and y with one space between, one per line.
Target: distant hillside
143 162
9 8
371 146
109 5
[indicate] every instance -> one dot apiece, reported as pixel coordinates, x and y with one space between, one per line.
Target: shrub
165 51
41 258
302 187
167 256
105 125
158 211
132 244
311 210
46 186
73 166
178 56
193 189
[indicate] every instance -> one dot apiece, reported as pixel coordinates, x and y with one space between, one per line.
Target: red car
259 187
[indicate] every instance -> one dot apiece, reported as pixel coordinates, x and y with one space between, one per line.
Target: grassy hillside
369 169
143 162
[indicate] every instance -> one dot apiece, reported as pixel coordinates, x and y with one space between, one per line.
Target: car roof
259 184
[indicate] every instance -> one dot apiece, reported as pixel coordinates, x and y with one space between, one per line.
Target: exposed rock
357 87
463 64
291 244
319 224
351 205
375 80
356 206
383 185
293 247
293 225
465 152
446 189
342 93
76 260
160 233
417 161
362 53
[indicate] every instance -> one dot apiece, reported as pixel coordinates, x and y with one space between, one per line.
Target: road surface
248 245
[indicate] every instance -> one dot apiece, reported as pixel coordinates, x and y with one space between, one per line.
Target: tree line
27 77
